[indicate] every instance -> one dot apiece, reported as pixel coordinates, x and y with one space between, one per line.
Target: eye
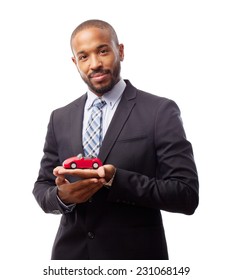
103 51
82 57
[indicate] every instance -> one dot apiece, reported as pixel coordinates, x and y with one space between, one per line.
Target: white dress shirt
112 99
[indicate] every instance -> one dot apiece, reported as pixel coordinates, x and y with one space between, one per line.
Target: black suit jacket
155 171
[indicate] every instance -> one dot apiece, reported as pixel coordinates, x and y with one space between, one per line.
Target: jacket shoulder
144 96
70 107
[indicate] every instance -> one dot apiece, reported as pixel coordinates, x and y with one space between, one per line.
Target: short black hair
95 23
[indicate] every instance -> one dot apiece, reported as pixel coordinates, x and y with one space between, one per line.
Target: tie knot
99 103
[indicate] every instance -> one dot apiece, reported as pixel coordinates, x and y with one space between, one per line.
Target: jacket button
91 235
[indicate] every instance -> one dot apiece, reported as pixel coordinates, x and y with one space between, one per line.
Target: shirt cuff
67 208
109 183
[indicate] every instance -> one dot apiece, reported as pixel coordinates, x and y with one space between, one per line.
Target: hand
82 190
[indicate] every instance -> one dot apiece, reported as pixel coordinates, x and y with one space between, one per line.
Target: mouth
99 76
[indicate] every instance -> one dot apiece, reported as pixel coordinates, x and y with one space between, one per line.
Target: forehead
90 38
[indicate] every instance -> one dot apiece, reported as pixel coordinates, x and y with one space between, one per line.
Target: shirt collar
111 97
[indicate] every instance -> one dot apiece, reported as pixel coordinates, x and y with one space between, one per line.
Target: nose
95 62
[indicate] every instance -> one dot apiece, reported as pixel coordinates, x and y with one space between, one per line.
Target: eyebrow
98 47
102 46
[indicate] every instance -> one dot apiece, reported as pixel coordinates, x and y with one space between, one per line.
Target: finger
86 193
82 173
101 172
60 180
103 181
56 170
84 184
81 191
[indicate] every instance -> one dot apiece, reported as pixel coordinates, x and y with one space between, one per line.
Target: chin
102 89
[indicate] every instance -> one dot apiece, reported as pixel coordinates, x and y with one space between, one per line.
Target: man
114 212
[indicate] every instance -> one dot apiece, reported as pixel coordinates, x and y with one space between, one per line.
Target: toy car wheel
73 165
95 165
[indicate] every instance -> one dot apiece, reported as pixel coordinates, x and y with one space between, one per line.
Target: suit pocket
130 151
132 138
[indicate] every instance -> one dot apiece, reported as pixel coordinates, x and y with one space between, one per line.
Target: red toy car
82 162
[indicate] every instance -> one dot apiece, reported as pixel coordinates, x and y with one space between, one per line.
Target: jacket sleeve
174 187
45 190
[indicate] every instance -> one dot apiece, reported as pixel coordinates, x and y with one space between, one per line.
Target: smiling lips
99 76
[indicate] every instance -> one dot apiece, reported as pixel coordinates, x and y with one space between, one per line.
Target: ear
74 60
121 52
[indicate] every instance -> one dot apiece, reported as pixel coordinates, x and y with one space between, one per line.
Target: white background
178 49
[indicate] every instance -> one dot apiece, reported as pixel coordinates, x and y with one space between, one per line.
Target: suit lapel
120 117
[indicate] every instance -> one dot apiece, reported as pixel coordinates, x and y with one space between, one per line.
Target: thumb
101 172
60 180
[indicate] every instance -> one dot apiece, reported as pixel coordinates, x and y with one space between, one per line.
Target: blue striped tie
92 139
